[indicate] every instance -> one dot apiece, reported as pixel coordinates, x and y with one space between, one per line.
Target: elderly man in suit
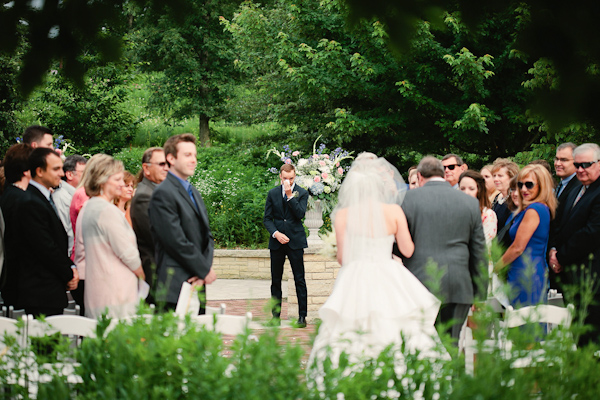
154 171
179 224
45 270
284 210
445 225
575 246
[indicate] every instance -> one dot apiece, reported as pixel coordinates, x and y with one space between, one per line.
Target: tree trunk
204 135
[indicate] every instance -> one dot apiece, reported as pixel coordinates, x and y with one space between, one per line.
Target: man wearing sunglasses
453 167
576 240
154 171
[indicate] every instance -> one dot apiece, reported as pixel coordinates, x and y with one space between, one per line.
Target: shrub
131 158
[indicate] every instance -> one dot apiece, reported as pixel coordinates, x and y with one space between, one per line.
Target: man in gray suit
445 225
154 171
179 224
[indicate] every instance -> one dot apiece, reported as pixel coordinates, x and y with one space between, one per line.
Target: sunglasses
160 164
450 167
528 185
584 165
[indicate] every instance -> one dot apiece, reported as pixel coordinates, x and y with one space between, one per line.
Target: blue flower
273 170
317 188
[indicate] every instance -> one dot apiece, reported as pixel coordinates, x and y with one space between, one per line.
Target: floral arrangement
320 173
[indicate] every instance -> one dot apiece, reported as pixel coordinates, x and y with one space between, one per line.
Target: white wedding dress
376 302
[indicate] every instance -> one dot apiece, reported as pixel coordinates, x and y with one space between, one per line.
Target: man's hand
287 188
210 277
73 283
195 281
283 239
553 261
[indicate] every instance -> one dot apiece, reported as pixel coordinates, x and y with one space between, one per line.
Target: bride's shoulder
392 209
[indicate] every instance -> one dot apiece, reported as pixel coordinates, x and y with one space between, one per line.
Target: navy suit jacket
577 234
44 263
286 217
182 237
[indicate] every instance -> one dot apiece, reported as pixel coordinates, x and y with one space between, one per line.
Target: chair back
75 325
542 313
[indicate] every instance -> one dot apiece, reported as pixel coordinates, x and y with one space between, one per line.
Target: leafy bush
131 158
164 357
92 117
234 181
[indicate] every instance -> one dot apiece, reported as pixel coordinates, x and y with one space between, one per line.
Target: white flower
302 162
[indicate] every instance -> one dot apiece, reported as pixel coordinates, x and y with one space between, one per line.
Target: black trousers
453 312
296 257
78 295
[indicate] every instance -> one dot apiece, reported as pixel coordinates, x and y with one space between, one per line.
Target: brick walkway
260 314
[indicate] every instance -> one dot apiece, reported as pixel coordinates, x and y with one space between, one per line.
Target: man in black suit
565 171
179 224
576 243
154 171
284 210
45 270
16 172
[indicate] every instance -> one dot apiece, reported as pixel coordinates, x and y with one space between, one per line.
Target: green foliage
234 181
194 56
455 90
163 357
131 158
92 117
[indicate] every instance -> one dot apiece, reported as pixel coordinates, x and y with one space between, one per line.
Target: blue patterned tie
191 193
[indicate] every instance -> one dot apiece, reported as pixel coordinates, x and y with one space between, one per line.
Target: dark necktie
559 188
191 193
53 205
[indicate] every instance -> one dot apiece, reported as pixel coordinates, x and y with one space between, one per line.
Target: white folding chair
469 345
216 310
68 325
539 314
225 324
22 360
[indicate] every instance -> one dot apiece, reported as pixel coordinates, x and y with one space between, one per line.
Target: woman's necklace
19 186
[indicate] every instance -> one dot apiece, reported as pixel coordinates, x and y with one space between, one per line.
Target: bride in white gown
375 301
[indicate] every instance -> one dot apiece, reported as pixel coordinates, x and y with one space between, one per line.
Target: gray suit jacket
445 225
141 226
182 237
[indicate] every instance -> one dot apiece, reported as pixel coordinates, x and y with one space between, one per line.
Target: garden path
243 295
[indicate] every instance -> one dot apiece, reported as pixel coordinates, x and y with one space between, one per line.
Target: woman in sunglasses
526 256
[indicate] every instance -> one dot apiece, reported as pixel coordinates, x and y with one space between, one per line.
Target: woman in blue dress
526 256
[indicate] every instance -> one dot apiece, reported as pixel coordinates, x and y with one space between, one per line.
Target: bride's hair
370 183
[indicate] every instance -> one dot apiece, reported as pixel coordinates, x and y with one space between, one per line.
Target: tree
453 90
562 32
193 55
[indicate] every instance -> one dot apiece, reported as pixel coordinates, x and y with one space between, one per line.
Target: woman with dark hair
473 184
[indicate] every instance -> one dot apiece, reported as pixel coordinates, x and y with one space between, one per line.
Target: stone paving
241 296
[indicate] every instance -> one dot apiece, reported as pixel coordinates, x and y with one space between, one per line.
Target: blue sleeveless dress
527 275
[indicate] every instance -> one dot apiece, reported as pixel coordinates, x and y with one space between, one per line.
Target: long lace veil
370 183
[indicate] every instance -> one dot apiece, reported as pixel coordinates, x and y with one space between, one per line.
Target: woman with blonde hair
107 242
503 170
526 256
490 187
